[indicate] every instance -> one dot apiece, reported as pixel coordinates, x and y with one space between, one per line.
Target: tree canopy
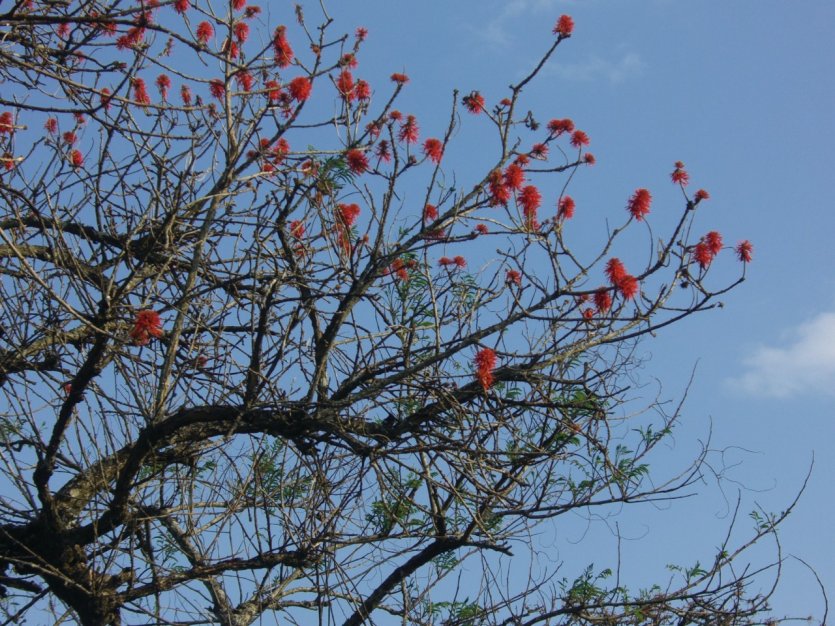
265 356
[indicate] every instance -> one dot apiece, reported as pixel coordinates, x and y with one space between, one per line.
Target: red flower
6 123
76 158
499 192
204 32
485 363
395 116
241 30
362 90
444 261
216 88
639 204
714 242
530 199
434 149
615 270
283 51
474 103
244 80
460 262
357 161
565 208
51 125
430 213
579 139
745 251
163 84
238 4
345 85
564 26
400 79
69 138
251 12
558 127
513 277
701 194
602 300
147 324
181 6
273 90
361 33
383 150
628 287
514 176
185 94
409 130
297 229
679 175
482 229
348 214
539 151
588 157
702 254
140 92
588 314
300 88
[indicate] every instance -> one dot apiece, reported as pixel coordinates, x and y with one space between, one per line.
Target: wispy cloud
595 68
806 364
496 30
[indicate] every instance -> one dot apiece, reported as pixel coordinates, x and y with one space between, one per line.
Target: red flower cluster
623 281
163 84
539 151
140 92
513 277
297 229
530 199
499 191
70 138
745 251
458 261
6 123
564 26
345 85
400 79
430 213
514 177
589 158
362 90
357 161
409 130
707 248
185 94
701 194
147 324
565 208
51 125
579 139
181 6
348 214
602 300
300 88
205 31
283 51
639 203
433 149
558 127
76 158
241 30
217 88
474 102
485 363
679 175
383 150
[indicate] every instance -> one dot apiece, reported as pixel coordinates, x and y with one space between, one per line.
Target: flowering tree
256 360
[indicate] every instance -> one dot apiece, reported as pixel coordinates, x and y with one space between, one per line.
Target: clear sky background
744 93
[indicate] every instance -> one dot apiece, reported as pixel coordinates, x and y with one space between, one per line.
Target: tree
264 356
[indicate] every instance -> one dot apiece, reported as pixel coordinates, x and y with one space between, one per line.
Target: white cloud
593 68
805 365
496 29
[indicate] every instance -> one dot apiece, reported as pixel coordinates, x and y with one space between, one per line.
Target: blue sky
744 94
